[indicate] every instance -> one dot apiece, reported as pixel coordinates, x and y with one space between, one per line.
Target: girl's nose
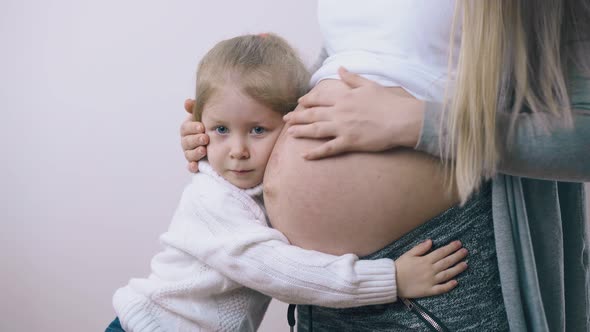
239 151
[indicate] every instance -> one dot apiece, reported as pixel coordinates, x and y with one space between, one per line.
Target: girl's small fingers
451 260
421 248
328 149
443 252
450 272
444 288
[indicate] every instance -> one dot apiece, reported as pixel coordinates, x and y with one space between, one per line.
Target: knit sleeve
541 148
246 251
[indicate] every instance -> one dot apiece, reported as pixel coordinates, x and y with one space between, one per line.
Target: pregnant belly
357 202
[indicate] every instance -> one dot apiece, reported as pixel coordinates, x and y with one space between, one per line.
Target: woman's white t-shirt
393 42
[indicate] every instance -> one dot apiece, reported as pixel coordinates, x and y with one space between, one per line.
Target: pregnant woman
379 201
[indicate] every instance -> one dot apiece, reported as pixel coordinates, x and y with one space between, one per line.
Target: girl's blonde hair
264 67
514 55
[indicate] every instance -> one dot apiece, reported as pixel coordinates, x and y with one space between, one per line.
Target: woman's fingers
192 138
328 149
193 167
188 105
312 98
325 94
190 127
313 130
353 80
196 154
191 142
186 124
451 260
308 115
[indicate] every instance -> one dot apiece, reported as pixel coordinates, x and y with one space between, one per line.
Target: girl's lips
242 171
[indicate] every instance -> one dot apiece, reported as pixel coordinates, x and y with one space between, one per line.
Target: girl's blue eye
258 130
221 130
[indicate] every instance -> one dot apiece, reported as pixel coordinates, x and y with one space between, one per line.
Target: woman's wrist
408 124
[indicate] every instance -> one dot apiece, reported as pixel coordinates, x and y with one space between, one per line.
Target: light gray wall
91 95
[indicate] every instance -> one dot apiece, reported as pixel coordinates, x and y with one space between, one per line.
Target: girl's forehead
242 117
236 106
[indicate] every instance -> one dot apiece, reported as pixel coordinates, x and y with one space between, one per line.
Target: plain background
91 94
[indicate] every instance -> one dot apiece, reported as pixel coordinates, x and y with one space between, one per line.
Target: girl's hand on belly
367 117
420 275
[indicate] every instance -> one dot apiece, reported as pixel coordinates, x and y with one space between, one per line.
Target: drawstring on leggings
291 318
310 319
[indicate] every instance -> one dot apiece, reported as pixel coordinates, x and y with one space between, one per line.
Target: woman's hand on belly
356 114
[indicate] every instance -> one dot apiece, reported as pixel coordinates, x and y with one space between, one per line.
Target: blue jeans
115 326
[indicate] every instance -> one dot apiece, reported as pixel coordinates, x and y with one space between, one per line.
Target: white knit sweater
220 258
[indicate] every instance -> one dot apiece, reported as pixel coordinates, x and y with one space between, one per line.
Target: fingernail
458 243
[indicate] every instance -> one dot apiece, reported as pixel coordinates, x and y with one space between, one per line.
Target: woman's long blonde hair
514 55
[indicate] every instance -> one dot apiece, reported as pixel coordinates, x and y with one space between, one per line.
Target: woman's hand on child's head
193 138
366 117
419 274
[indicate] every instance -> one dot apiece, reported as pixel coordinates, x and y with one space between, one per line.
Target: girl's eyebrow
211 118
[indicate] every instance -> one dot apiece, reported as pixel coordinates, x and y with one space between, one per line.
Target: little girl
221 262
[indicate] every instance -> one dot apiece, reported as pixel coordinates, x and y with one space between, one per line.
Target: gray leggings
475 305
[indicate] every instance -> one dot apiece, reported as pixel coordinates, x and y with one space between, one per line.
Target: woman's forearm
538 149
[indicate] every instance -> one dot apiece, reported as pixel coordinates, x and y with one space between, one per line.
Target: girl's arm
241 247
